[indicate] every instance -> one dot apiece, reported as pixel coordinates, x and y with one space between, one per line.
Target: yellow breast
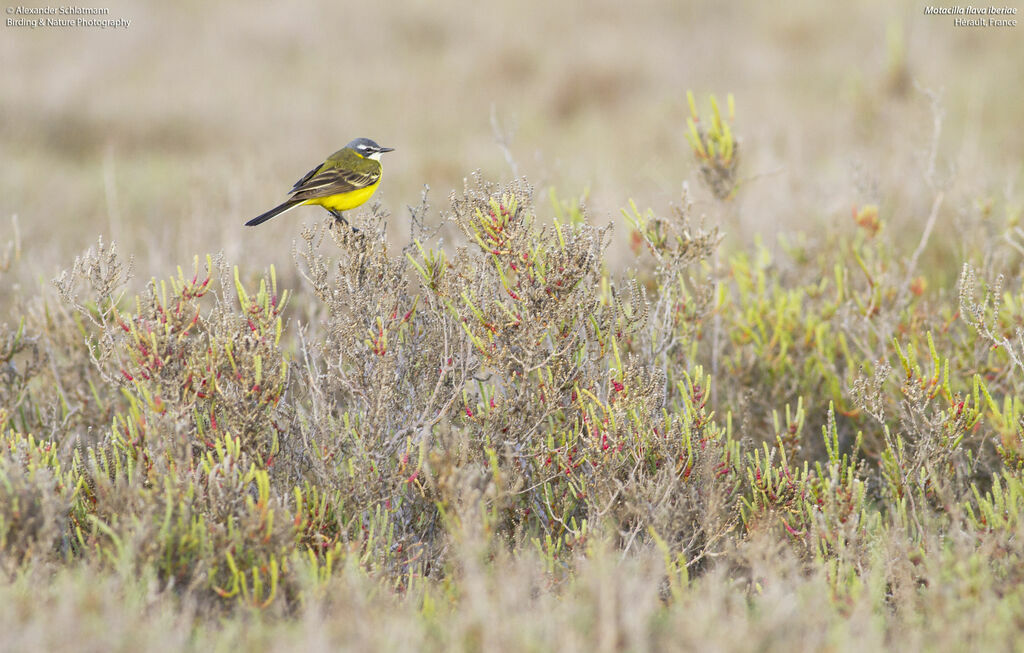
345 201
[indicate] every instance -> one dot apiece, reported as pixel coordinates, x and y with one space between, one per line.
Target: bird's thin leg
340 217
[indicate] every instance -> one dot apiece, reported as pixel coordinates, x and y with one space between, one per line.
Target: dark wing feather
324 183
305 178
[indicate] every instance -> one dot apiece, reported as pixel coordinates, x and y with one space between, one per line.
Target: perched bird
344 181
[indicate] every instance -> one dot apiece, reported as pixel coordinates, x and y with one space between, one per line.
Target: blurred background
168 135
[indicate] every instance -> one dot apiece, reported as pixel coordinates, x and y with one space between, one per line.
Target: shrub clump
413 417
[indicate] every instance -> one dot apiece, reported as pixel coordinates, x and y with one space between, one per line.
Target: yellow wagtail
344 181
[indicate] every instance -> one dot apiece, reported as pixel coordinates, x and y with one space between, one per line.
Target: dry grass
169 134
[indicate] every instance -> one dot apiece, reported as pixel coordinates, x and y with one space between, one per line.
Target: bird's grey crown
362 145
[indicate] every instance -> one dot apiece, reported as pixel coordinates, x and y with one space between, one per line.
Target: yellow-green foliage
409 421
715 146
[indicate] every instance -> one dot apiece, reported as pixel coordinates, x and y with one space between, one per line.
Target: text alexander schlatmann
55 17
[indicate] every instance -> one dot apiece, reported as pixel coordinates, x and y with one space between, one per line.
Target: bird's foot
340 217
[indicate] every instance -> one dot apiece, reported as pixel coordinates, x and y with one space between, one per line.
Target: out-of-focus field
168 135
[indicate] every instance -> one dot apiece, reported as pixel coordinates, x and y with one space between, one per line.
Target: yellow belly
344 201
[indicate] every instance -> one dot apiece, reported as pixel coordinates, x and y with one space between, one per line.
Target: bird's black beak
386 149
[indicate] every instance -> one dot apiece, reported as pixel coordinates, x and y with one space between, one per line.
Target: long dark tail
277 210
